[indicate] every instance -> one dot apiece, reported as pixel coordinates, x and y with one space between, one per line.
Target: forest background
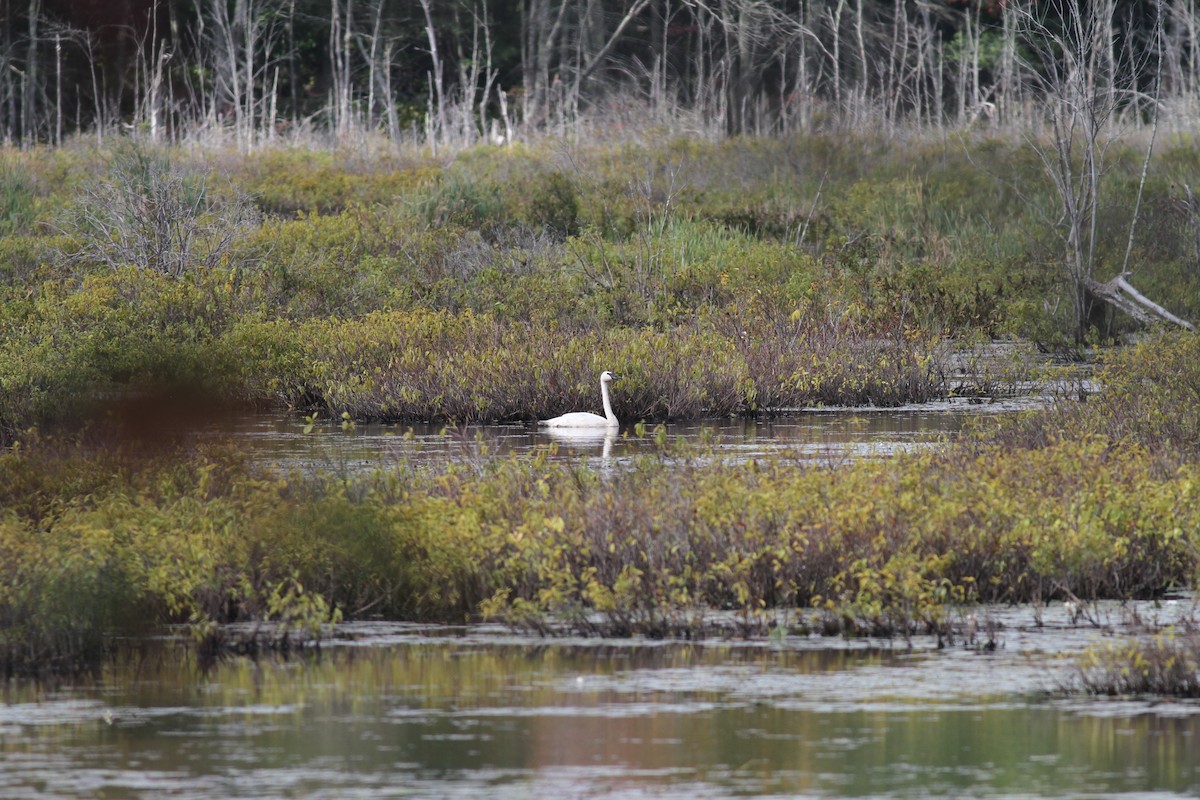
462 70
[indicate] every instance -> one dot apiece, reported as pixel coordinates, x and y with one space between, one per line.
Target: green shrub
285 182
1165 665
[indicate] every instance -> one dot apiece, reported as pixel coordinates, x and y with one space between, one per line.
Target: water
827 436
409 711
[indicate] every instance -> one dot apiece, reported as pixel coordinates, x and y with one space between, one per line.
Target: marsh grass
17 210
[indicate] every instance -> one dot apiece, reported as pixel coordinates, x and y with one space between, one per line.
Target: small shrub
150 214
1165 665
554 205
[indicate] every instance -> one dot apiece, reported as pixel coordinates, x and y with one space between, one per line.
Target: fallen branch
1120 294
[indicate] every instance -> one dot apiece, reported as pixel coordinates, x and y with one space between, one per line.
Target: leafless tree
1086 81
150 214
240 44
30 85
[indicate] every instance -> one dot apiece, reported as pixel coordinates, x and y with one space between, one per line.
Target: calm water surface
823 436
405 711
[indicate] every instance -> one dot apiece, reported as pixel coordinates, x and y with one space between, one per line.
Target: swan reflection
584 439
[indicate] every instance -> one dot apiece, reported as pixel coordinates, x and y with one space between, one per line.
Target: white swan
584 419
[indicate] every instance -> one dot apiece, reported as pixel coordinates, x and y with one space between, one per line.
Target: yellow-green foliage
793 272
74 339
287 181
422 365
1167 663
71 341
1147 393
717 278
884 545
97 545
663 275
38 182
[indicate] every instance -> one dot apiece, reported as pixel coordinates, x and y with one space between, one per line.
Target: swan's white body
584 419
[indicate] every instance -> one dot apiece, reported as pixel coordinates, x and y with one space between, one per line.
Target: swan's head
608 377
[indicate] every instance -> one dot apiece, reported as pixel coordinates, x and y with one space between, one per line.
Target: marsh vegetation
149 282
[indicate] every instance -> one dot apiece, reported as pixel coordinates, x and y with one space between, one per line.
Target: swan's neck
608 412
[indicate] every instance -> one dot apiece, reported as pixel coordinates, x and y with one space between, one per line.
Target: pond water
827 436
391 710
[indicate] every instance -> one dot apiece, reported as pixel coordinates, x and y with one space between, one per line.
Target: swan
585 419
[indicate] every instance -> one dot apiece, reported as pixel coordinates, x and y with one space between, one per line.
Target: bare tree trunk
836 27
439 88
100 121
240 52
373 63
1120 294
489 74
1083 83
227 78
8 69
385 88
271 108
340 37
29 121
248 24
153 53
803 90
1006 82
862 90
58 99
293 73
541 41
